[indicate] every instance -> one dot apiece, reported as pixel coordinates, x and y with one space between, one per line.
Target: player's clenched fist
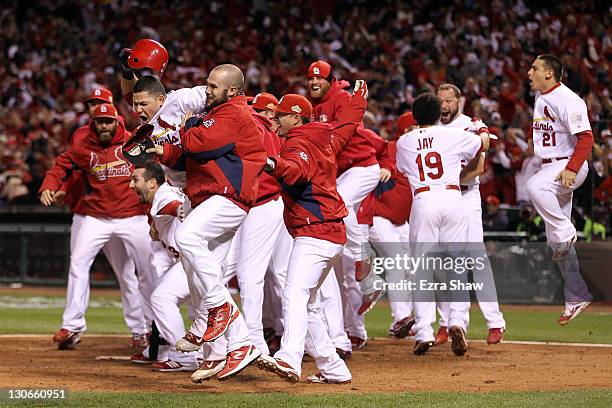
46 197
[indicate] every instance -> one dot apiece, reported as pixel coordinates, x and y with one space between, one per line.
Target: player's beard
212 102
450 117
105 138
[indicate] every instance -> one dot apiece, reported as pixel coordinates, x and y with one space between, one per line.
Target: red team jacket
268 186
307 172
391 200
222 156
359 152
107 188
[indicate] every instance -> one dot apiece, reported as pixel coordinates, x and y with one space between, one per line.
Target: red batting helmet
148 54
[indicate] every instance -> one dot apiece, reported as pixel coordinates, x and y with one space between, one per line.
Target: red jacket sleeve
294 165
62 169
347 121
172 154
581 150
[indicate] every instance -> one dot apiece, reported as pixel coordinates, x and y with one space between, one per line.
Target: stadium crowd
54 52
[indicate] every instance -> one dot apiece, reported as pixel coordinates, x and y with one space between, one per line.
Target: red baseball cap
320 69
293 103
264 101
106 110
101 94
493 200
404 122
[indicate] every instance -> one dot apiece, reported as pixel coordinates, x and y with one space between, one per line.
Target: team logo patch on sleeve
303 156
576 118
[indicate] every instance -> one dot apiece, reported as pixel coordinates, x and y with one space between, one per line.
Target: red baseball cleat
140 340
67 339
496 335
141 359
357 342
442 336
362 270
571 312
219 319
237 360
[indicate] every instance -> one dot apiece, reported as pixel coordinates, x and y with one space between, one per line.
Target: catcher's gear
148 54
135 149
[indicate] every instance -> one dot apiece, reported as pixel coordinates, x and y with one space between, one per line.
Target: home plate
122 358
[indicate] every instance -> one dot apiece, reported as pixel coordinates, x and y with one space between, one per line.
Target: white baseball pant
554 203
310 262
353 186
256 240
172 290
386 238
93 234
204 238
125 271
332 314
487 299
437 217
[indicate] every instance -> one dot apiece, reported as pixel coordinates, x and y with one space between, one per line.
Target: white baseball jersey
463 122
558 115
432 156
166 225
167 122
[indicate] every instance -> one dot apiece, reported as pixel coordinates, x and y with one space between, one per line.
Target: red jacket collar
336 86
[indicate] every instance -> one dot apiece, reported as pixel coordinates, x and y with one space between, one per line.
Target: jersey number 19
433 161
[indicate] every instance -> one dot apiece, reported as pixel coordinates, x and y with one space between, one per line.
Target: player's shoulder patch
576 118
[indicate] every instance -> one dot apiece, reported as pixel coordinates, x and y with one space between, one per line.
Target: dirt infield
383 366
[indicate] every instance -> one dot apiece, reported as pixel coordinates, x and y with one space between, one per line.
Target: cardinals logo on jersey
162 123
548 115
323 118
116 168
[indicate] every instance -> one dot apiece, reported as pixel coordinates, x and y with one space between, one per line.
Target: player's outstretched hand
566 178
385 175
361 88
46 197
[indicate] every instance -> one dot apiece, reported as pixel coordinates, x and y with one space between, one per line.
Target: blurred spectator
56 51
531 223
495 219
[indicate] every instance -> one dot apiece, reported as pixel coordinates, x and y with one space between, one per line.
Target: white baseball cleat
207 370
278 367
170 365
570 313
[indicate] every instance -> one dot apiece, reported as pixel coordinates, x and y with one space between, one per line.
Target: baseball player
358 174
272 309
262 233
221 170
111 209
430 157
314 215
450 97
562 140
386 211
70 194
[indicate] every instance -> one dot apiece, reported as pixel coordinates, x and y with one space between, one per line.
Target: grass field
523 324
591 399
